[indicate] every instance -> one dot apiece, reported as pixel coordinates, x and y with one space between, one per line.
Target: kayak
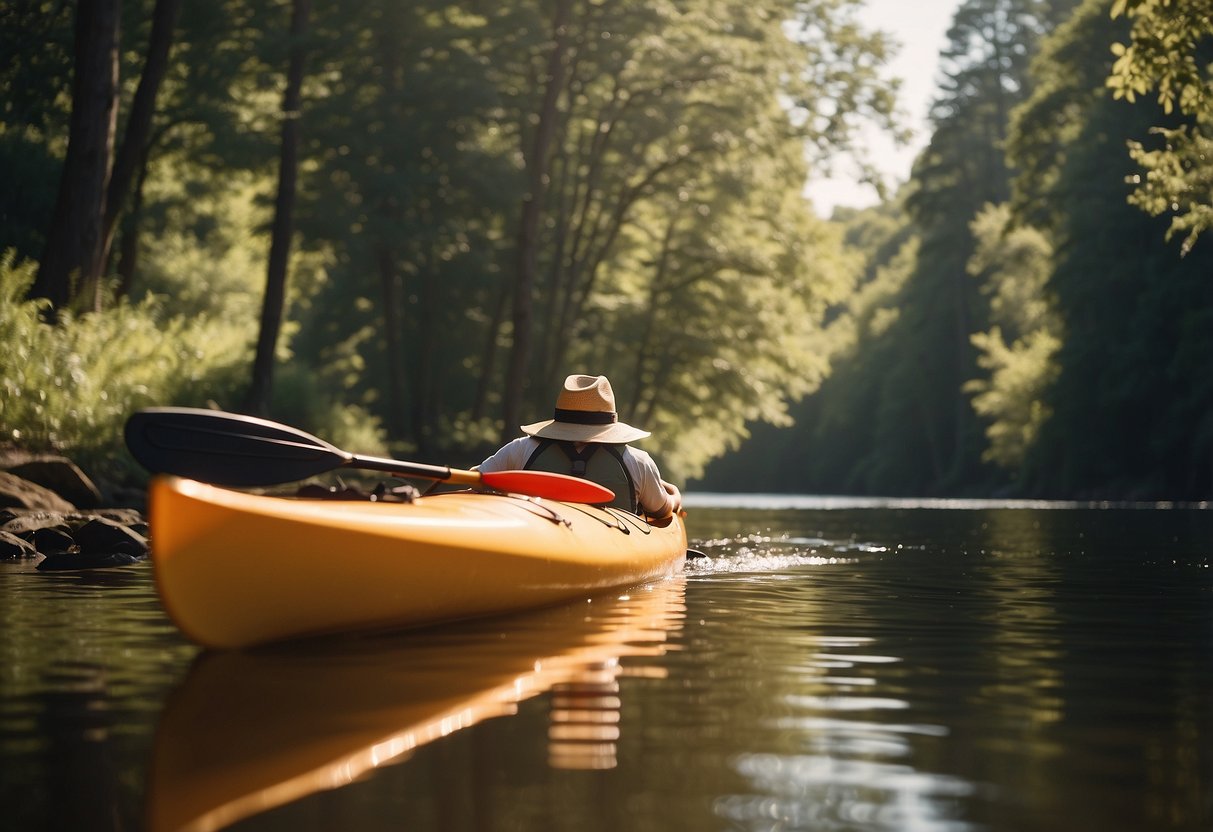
235 569
250 730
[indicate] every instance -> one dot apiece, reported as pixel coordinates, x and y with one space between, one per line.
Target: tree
652 95
1131 407
95 180
73 256
36 76
536 156
273 306
1013 265
924 412
1168 51
131 157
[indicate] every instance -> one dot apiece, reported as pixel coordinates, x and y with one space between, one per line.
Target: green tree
923 417
1130 409
1013 265
652 94
1168 52
631 175
74 253
894 415
274 302
36 76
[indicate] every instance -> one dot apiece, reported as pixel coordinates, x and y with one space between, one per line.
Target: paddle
235 450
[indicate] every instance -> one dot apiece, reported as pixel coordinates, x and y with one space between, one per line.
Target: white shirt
650 493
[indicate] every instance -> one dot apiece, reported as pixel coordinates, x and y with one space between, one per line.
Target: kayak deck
235 569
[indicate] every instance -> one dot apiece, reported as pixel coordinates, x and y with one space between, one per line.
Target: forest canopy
1022 326
400 225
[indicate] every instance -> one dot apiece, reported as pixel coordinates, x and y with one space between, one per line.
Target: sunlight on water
821 669
825 792
840 752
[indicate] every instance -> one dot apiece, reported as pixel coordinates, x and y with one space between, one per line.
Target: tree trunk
128 252
72 261
274 304
488 361
393 340
527 255
131 155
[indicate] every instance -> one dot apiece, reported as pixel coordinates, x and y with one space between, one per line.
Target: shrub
69 386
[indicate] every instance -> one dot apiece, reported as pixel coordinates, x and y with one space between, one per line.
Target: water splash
758 553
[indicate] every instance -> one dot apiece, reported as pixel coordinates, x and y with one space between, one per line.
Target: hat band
585 417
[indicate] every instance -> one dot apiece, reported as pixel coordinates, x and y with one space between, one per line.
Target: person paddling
586 439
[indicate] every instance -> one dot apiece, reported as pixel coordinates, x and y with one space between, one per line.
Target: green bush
69 386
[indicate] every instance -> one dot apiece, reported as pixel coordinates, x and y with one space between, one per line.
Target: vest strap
579 464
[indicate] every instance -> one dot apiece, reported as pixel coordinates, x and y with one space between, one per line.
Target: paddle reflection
246 732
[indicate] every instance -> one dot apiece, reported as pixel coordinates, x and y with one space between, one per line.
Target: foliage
1012 397
65 386
1178 181
674 170
1168 52
925 437
617 188
1132 401
1018 351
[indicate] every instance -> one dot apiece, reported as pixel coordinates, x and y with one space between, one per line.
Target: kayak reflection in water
585 438
250 730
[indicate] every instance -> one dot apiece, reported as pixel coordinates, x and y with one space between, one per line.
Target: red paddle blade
548 485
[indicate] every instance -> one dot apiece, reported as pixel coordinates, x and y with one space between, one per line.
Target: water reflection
250 731
584 719
988 669
837 740
865 670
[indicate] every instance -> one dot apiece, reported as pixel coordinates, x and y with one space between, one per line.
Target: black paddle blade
226 448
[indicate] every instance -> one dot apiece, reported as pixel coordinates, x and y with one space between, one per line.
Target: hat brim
616 433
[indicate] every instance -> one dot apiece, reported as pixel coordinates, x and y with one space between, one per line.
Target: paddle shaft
411 469
417 469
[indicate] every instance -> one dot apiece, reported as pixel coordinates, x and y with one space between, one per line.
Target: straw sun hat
585 412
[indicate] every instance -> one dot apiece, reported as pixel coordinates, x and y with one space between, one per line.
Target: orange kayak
235 569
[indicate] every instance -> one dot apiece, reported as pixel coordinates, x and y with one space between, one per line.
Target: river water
829 665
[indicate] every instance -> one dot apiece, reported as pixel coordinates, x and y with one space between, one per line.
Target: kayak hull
236 569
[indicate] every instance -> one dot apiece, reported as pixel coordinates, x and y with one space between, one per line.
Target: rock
35 517
25 523
100 535
16 492
61 476
74 540
52 541
125 516
13 547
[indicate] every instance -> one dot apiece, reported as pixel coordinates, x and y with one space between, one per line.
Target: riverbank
52 511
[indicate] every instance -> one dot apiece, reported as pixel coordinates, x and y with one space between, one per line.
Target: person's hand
673 498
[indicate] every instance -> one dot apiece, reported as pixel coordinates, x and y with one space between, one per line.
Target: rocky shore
50 510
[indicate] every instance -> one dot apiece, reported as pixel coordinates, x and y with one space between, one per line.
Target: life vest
596 462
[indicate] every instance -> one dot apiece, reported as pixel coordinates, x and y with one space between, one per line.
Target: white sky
920 26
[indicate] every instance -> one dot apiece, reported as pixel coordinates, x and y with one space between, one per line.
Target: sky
920 26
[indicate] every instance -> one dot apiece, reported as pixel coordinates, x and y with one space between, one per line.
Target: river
829 664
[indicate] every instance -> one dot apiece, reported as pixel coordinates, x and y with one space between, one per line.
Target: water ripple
821 792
